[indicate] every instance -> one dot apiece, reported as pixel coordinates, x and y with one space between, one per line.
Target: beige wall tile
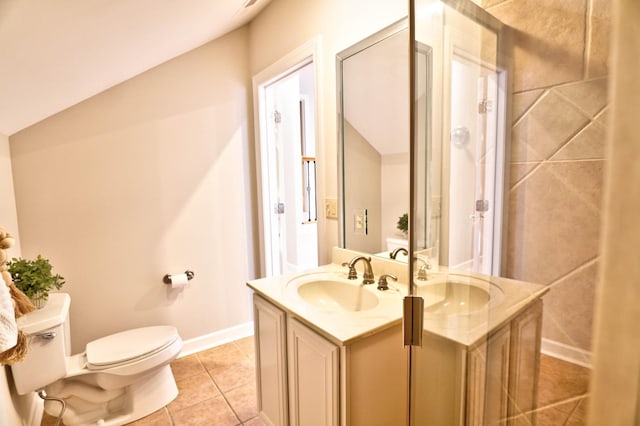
522 101
549 40
545 128
568 316
551 229
584 178
590 95
520 170
600 28
588 144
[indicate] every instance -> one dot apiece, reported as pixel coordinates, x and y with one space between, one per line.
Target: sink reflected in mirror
454 295
331 292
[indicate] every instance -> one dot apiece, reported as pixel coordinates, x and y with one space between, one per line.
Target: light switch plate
331 208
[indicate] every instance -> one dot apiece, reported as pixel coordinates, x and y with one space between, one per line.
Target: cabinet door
526 332
313 377
271 362
487 380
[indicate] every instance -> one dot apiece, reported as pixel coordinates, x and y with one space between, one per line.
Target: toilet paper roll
179 280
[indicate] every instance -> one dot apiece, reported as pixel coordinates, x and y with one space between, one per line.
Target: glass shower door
459 363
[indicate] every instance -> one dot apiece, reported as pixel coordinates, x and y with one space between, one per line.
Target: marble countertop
507 299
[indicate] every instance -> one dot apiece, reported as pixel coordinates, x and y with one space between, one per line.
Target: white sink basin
453 295
332 293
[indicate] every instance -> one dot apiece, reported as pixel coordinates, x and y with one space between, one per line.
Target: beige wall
8 214
560 112
394 199
10 407
363 170
150 177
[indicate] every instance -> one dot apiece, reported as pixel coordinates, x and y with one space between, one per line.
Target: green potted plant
34 278
403 224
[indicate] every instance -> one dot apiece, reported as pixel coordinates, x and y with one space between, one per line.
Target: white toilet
116 380
394 243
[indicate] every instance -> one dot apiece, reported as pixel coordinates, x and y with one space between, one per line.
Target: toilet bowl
394 243
116 380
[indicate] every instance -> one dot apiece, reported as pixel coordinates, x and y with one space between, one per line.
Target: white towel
8 326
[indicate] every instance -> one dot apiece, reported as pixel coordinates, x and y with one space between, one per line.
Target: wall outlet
331 208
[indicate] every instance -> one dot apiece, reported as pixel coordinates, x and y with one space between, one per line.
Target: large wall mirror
373 86
459 143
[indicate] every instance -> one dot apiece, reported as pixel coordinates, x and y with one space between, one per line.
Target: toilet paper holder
167 277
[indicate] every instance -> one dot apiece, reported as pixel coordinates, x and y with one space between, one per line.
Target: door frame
307 53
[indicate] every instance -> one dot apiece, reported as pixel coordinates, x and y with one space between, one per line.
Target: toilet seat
129 347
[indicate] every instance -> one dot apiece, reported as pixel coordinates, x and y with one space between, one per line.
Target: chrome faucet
395 252
422 271
367 276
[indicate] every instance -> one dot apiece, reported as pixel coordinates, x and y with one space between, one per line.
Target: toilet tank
394 243
47 330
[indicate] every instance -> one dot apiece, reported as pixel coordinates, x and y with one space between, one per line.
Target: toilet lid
129 345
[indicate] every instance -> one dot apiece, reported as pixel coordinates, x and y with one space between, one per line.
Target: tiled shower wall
560 56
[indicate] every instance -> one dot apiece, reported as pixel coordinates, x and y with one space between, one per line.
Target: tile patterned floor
563 393
217 387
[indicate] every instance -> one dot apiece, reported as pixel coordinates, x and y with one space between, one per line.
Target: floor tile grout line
573 411
224 396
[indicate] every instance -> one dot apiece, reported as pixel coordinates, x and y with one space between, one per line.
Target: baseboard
220 337
566 353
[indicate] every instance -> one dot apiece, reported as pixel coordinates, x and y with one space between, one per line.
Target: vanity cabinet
313 368
297 370
305 379
503 372
271 361
491 382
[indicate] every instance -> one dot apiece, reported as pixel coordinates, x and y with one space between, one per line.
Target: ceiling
56 53
375 92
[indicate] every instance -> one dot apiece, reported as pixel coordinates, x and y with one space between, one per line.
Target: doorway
473 155
286 155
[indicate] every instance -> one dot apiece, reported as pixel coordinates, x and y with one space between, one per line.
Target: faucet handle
382 281
353 274
422 271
